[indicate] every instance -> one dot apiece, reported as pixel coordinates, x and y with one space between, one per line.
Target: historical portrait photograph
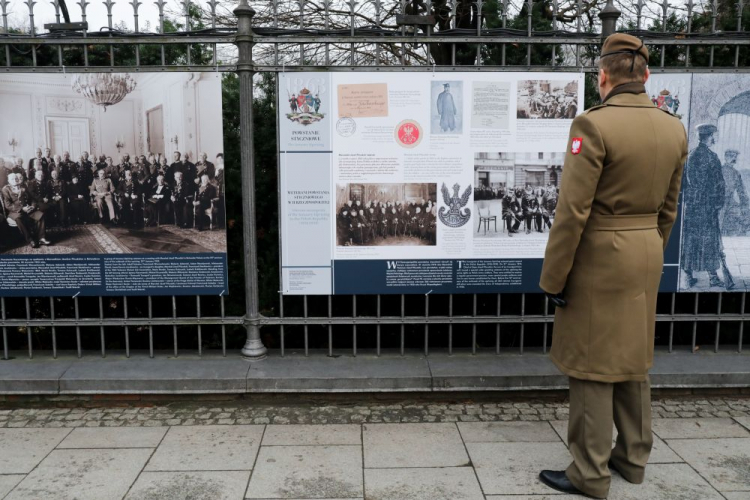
515 194
550 99
111 163
446 107
386 214
716 201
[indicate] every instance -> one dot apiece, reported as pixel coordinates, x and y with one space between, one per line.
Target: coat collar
628 100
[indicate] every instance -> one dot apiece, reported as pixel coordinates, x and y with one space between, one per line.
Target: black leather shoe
557 480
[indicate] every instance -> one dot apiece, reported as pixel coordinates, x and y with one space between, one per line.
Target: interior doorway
68 134
155 132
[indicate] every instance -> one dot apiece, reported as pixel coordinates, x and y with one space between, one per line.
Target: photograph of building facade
493 171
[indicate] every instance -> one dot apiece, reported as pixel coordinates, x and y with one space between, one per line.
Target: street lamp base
254 350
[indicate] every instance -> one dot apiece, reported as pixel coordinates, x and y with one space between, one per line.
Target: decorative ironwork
104 89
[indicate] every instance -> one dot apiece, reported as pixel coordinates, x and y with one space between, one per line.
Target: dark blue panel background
165 289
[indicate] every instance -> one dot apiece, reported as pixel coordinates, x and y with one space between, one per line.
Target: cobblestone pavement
175 414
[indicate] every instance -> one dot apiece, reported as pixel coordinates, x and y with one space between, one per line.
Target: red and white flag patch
576 145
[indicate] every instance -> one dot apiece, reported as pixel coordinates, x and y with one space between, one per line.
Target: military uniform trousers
594 407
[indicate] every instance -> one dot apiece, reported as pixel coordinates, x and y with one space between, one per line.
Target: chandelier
104 89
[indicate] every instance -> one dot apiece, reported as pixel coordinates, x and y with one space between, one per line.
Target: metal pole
254 348
609 16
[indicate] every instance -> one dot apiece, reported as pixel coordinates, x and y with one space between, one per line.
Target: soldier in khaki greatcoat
603 264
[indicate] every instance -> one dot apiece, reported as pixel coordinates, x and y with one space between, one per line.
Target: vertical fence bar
127 328
78 327
740 9
54 332
282 338
665 10
160 4
6 355
713 30
354 326
150 329
695 323
200 331
330 326
188 52
377 340
28 328
223 329
523 312
254 348
174 327
529 13
304 314
83 4
497 327
718 325
450 325
546 324
30 4
135 4
742 323
109 4
671 323
474 325
689 30
426 325
403 309
505 22
101 331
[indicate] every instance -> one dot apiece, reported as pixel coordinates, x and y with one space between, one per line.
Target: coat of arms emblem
667 102
305 107
456 215
575 145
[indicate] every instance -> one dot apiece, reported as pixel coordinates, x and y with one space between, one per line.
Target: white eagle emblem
457 214
575 145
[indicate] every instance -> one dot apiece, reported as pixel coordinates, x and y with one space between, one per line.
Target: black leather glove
557 299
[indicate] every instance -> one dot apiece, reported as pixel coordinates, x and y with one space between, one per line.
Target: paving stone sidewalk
420 451
176 414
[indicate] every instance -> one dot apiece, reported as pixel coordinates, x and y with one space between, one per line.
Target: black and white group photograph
447 103
386 214
112 163
515 194
547 99
716 213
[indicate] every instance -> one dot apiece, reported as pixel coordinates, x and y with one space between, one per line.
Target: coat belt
602 222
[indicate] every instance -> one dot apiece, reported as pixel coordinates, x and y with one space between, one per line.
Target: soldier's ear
646 75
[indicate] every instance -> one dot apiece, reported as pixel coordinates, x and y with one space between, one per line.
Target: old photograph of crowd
111 163
547 99
386 214
716 214
516 193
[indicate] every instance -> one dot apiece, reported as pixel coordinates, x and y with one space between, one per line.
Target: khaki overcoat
617 205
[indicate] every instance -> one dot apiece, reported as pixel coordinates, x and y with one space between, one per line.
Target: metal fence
396 36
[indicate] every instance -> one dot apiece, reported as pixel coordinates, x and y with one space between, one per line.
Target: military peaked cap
622 43
706 128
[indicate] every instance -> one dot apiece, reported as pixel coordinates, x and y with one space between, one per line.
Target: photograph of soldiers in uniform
111 163
516 194
716 201
548 99
386 214
446 107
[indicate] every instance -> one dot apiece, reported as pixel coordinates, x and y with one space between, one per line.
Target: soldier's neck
626 88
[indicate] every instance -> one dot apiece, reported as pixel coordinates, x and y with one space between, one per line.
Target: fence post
254 349
609 16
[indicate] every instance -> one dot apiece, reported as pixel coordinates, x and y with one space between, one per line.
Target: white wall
191 103
192 111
